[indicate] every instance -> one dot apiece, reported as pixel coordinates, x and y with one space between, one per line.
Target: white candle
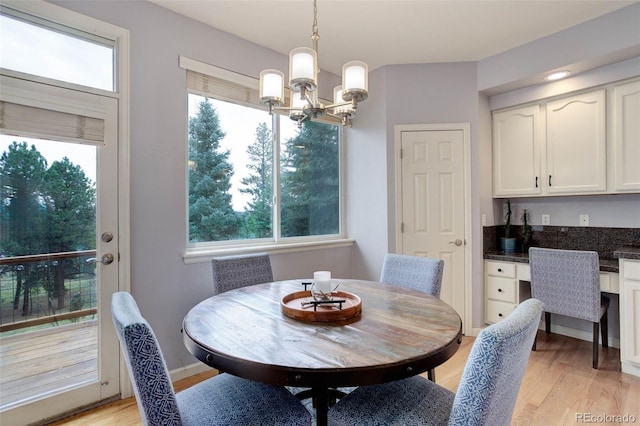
322 281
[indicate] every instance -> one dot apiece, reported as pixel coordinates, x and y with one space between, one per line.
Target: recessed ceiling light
557 75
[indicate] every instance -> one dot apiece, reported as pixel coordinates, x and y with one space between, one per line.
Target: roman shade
210 81
28 121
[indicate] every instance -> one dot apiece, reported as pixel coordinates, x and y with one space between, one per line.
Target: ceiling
394 32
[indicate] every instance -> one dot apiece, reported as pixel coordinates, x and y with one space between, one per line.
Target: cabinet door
516 152
629 309
626 137
576 144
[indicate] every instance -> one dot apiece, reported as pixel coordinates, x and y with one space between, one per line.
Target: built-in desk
507 282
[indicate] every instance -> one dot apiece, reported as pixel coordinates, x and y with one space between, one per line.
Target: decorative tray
301 305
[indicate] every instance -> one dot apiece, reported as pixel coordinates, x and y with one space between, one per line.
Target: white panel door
433 218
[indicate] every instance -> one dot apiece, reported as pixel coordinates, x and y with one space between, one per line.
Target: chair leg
535 340
604 329
431 375
595 344
547 322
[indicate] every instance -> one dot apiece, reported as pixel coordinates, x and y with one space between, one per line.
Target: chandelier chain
314 28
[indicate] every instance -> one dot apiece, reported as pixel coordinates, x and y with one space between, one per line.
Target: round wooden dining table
399 333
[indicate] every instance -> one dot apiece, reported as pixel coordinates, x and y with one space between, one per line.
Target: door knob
106 259
457 242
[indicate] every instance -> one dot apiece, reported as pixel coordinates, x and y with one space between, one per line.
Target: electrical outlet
584 220
546 219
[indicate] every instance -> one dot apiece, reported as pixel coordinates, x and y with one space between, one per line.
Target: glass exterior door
58 250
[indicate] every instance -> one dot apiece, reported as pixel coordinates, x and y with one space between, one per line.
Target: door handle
457 242
106 259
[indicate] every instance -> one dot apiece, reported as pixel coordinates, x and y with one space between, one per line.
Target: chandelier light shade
271 85
303 82
303 69
355 81
338 99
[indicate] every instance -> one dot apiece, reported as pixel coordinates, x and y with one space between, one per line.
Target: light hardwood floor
559 388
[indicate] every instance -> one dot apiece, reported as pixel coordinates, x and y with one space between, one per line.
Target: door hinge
401 153
402 228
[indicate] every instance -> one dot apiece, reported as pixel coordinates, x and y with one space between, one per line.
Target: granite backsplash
602 240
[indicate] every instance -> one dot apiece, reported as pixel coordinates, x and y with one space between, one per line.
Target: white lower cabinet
501 289
508 283
630 316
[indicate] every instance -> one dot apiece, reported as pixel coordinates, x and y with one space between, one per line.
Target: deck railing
46 288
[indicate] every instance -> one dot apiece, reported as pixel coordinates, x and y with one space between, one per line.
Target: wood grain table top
400 333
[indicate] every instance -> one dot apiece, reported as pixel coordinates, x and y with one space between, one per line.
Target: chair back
493 373
418 273
231 272
147 368
567 282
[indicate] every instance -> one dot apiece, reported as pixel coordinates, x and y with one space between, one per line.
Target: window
256 179
39 47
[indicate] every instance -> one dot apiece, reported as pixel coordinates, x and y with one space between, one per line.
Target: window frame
202 251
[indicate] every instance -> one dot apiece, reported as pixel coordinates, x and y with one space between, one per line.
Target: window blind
23 120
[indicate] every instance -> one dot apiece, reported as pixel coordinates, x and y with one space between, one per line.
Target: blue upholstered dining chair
568 283
418 273
221 400
231 272
486 394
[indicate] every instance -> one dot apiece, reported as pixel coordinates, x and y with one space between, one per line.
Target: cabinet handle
500 315
549 180
536 181
499 269
499 290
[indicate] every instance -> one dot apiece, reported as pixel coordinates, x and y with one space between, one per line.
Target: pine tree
22 172
259 184
211 215
311 182
70 200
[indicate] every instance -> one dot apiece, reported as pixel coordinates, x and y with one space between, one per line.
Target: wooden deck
40 362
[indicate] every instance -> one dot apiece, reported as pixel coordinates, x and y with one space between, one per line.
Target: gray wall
399 94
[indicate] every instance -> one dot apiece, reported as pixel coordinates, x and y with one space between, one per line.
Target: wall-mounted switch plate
584 220
546 220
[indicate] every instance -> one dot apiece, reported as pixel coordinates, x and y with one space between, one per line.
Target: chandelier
303 84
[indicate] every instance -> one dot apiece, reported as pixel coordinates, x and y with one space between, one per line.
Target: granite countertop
606 265
627 252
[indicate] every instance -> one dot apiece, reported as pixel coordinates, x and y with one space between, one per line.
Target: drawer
631 270
497 311
503 289
501 269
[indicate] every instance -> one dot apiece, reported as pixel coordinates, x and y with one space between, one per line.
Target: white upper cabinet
516 151
569 146
576 144
625 137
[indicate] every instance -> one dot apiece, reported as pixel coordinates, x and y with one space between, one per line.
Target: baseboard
475 331
188 371
578 334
